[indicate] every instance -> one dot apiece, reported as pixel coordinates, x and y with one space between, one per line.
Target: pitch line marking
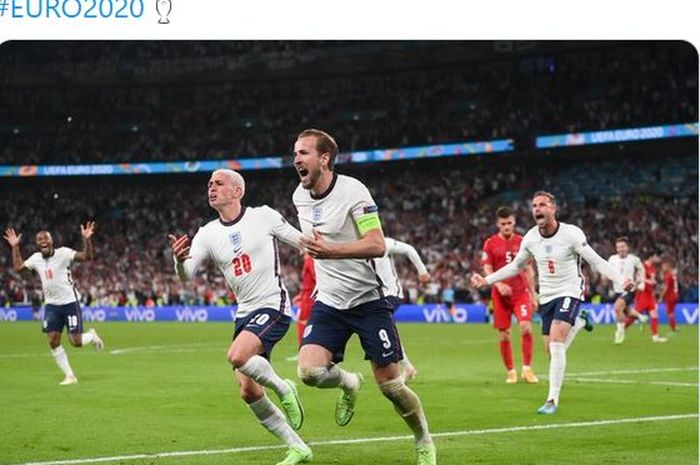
628 381
633 371
158 455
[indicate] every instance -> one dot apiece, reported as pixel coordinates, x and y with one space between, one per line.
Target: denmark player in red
645 300
514 296
670 294
305 298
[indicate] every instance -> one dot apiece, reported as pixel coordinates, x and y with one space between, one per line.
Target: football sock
557 365
259 369
59 354
273 420
409 406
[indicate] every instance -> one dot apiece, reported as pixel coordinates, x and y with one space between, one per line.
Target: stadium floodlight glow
247 164
617 135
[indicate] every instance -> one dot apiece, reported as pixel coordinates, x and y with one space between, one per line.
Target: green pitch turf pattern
162 388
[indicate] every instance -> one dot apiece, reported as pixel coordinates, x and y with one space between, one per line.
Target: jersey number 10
242 265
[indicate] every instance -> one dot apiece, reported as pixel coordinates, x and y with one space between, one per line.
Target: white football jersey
344 283
629 267
55 275
558 259
246 252
387 270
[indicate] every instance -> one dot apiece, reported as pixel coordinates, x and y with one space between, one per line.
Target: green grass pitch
166 387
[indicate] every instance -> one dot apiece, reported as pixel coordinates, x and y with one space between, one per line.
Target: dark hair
504 212
546 194
324 143
622 239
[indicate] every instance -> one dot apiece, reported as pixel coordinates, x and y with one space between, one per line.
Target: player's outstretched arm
602 266
284 231
371 245
88 252
14 239
521 259
407 250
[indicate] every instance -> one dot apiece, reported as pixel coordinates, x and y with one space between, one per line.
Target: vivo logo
191 315
602 315
11 315
691 316
441 314
138 314
90 314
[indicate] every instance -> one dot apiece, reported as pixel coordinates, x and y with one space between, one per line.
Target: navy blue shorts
562 309
58 316
373 322
628 297
268 324
394 301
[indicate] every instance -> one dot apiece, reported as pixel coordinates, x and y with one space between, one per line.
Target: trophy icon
164 7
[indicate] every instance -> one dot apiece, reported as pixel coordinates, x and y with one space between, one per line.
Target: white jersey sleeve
592 258
32 262
198 253
281 229
394 247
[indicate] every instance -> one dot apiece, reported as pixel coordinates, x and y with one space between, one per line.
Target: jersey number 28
242 265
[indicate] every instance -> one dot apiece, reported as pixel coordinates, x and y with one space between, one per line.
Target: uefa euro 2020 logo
164 7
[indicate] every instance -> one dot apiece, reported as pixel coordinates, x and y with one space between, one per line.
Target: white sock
408 405
557 365
259 369
88 338
274 421
329 377
578 324
621 327
59 354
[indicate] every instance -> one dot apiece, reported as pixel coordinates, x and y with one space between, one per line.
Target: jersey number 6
242 265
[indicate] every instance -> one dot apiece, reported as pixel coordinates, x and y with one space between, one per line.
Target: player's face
222 191
665 267
44 242
506 226
543 210
622 249
308 161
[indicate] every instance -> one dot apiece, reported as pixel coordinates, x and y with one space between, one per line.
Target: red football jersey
498 252
308 277
671 284
649 276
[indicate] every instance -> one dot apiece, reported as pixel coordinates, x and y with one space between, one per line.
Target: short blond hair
235 176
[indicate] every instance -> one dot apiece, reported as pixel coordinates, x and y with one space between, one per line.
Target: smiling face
309 162
222 190
543 210
44 243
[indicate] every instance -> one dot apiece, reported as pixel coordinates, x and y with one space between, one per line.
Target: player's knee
404 399
525 328
311 376
236 359
504 335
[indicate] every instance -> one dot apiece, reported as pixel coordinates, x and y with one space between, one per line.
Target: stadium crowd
161 120
446 214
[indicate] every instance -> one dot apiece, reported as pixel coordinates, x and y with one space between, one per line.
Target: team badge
548 249
236 241
316 214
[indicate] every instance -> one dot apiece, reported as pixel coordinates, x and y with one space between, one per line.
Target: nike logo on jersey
386 354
